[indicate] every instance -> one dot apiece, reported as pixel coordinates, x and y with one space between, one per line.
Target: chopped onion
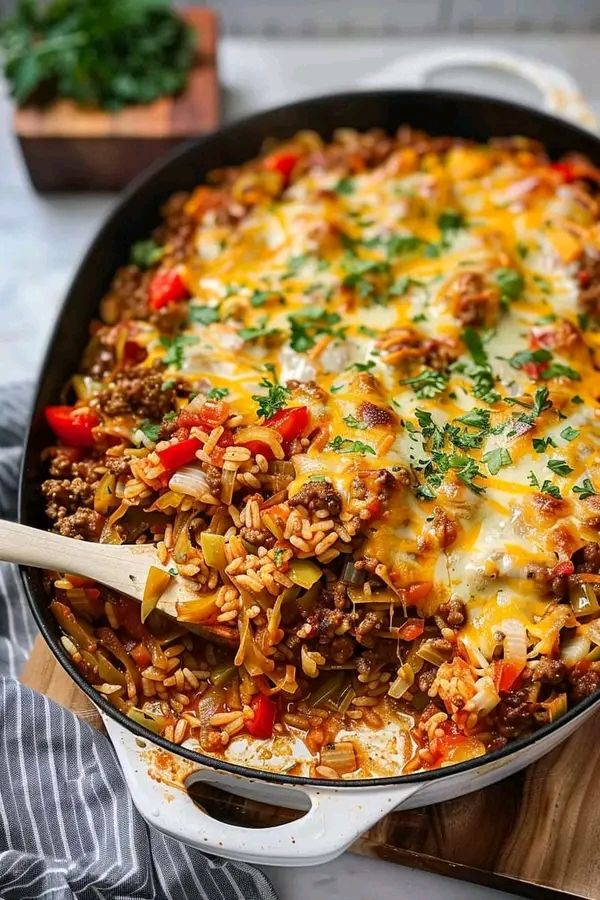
307 465
339 756
485 697
149 720
263 434
190 480
574 648
403 682
351 575
515 642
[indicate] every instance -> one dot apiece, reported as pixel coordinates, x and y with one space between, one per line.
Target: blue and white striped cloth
68 828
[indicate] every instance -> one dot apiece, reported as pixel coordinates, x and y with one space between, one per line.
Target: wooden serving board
69 148
536 833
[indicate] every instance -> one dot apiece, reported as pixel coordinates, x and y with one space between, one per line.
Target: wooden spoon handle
123 568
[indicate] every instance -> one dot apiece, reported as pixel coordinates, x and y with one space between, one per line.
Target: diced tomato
176 455
225 441
265 710
133 353
282 161
166 286
256 447
417 592
412 629
505 674
290 422
375 508
534 370
141 655
563 568
209 415
565 171
585 279
71 425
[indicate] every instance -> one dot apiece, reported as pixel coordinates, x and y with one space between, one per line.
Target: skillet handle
559 90
335 817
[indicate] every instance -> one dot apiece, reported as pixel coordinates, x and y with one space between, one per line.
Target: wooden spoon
123 567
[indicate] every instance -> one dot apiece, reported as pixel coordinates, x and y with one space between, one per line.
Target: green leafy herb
150 429
511 284
352 422
569 434
259 331
305 326
558 370
476 418
146 253
278 555
369 332
546 487
585 489
496 459
217 393
518 360
450 220
577 400
480 372
345 186
540 445
276 397
295 264
259 298
106 53
522 250
428 383
345 445
559 466
362 367
203 315
175 349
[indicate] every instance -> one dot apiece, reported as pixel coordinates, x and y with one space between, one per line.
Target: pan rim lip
139 183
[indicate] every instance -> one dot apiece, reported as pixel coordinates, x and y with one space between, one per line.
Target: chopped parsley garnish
217 393
569 434
278 555
307 325
480 371
352 422
259 298
546 487
428 383
541 357
450 220
276 397
259 331
585 489
577 400
522 250
583 320
203 315
518 360
496 459
146 253
559 467
541 401
345 186
476 418
368 332
511 284
150 429
540 445
175 348
399 287
168 384
361 367
294 264
559 370
361 275
345 445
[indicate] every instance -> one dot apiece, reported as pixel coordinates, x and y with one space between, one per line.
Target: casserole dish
338 810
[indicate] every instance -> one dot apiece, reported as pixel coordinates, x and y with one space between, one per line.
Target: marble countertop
43 237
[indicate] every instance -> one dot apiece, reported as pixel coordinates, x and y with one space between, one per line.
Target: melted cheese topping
475 251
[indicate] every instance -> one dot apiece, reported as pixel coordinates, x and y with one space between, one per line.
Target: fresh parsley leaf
480 373
476 418
368 332
307 325
546 487
168 384
569 434
583 320
345 186
259 298
559 370
510 283
352 422
345 445
150 429
540 445
518 360
559 467
451 220
496 459
362 367
428 383
146 253
259 331
295 264
585 489
217 393
203 315
275 399
577 400
522 250
174 347
541 401
475 347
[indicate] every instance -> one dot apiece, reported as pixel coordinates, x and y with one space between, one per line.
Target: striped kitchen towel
68 828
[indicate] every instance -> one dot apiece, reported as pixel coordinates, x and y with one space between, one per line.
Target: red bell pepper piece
71 425
412 629
177 455
565 171
166 287
265 710
417 592
563 568
141 655
505 674
211 414
282 161
534 370
288 423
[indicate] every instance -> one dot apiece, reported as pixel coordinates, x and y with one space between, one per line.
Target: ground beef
473 301
515 714
444 527
402 346
585 680
127 297
65 496
589 279
318 495
84 524
426 679
171 318
259 537
341 650
99 356
549 671
453 612
139 391
118 465
587 559
497 743
65 464
213 480
177 229
335 595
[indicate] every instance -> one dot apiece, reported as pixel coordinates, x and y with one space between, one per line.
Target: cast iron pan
138 212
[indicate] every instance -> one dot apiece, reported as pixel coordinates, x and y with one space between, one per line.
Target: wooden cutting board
69 148
536 834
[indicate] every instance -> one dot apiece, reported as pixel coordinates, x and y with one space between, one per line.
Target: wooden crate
69 148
